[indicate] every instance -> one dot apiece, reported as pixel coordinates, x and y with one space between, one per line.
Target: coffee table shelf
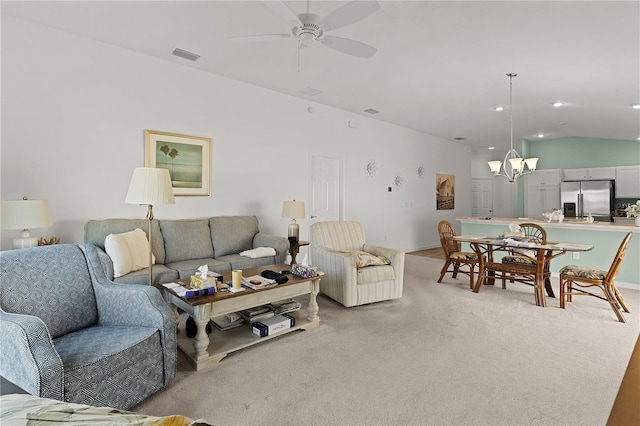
206 350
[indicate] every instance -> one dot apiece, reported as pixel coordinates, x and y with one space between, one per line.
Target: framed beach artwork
188 159
445 191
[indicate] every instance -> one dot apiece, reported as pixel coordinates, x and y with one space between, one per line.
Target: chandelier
513 165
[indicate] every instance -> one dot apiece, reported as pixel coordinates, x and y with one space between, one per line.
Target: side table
294 249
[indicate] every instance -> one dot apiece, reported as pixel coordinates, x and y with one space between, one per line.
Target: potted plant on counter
634 211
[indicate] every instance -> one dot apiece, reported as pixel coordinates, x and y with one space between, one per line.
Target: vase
637 221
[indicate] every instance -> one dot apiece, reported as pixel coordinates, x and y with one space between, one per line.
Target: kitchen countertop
567 223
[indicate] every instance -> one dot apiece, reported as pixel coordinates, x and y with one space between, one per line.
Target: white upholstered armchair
354 276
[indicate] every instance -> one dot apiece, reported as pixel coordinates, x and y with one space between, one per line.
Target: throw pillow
367 259
128 251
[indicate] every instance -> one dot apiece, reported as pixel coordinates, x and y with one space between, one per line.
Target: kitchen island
604 236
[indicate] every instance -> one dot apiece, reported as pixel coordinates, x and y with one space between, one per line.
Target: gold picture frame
187 157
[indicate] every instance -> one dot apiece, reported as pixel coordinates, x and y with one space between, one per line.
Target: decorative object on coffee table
24 214
293 210
150 186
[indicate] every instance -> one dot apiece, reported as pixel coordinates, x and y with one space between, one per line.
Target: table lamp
150 186
24 214
293 210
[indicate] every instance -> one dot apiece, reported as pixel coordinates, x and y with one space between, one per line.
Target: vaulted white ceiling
440 67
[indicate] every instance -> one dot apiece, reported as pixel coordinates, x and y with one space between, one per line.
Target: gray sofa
181 246
68 333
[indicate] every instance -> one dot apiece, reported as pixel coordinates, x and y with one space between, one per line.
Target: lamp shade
293 209
150 186
25 214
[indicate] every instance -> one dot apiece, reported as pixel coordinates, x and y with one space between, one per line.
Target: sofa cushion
128 251
374 274
161 274
186 239
186 268
232 234
243 262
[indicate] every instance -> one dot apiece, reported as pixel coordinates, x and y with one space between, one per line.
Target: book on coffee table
257 313
226 322
256 282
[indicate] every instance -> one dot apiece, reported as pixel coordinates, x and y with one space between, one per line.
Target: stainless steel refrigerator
595 197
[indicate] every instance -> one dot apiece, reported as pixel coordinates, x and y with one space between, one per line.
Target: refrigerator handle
580 205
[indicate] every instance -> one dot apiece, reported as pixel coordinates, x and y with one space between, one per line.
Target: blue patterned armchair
68 333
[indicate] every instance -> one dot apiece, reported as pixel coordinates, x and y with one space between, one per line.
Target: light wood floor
434 253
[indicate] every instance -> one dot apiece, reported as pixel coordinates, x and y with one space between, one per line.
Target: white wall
74 111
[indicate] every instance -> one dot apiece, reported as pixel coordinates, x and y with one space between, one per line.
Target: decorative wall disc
370 168
398 180
420 170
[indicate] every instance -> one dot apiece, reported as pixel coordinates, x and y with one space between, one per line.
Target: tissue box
273 325
196 282
304 271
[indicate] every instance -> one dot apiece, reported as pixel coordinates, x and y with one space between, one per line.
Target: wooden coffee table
203 350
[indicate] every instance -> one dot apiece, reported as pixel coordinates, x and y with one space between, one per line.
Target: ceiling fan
309 27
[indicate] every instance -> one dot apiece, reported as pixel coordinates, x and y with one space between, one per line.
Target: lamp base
294 231
25 240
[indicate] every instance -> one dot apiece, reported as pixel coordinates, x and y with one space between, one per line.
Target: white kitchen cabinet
628 182
544 177
597 173
541 199
542 192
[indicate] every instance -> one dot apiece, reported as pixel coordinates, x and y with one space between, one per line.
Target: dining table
491 249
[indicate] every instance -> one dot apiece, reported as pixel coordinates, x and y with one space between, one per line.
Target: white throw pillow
128 251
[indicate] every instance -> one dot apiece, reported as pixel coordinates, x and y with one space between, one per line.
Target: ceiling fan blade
350 47
281 9
348 14
260 37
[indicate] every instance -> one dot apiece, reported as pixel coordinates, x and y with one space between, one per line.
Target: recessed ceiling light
541 135
638 138
492 147
371 111
459 138
635 106
310 91
558 104
499 108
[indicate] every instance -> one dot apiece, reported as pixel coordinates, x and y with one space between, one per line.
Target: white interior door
326 189
482 196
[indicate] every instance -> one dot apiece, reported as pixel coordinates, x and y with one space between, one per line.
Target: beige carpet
441 355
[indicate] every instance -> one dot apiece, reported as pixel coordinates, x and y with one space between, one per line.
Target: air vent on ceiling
459 138
310 91
371 111
185 55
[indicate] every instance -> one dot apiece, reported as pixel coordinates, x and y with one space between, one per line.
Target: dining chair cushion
518 258
583 272
464 255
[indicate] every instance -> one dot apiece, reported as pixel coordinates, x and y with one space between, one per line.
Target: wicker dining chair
534 233
585 277
453 255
